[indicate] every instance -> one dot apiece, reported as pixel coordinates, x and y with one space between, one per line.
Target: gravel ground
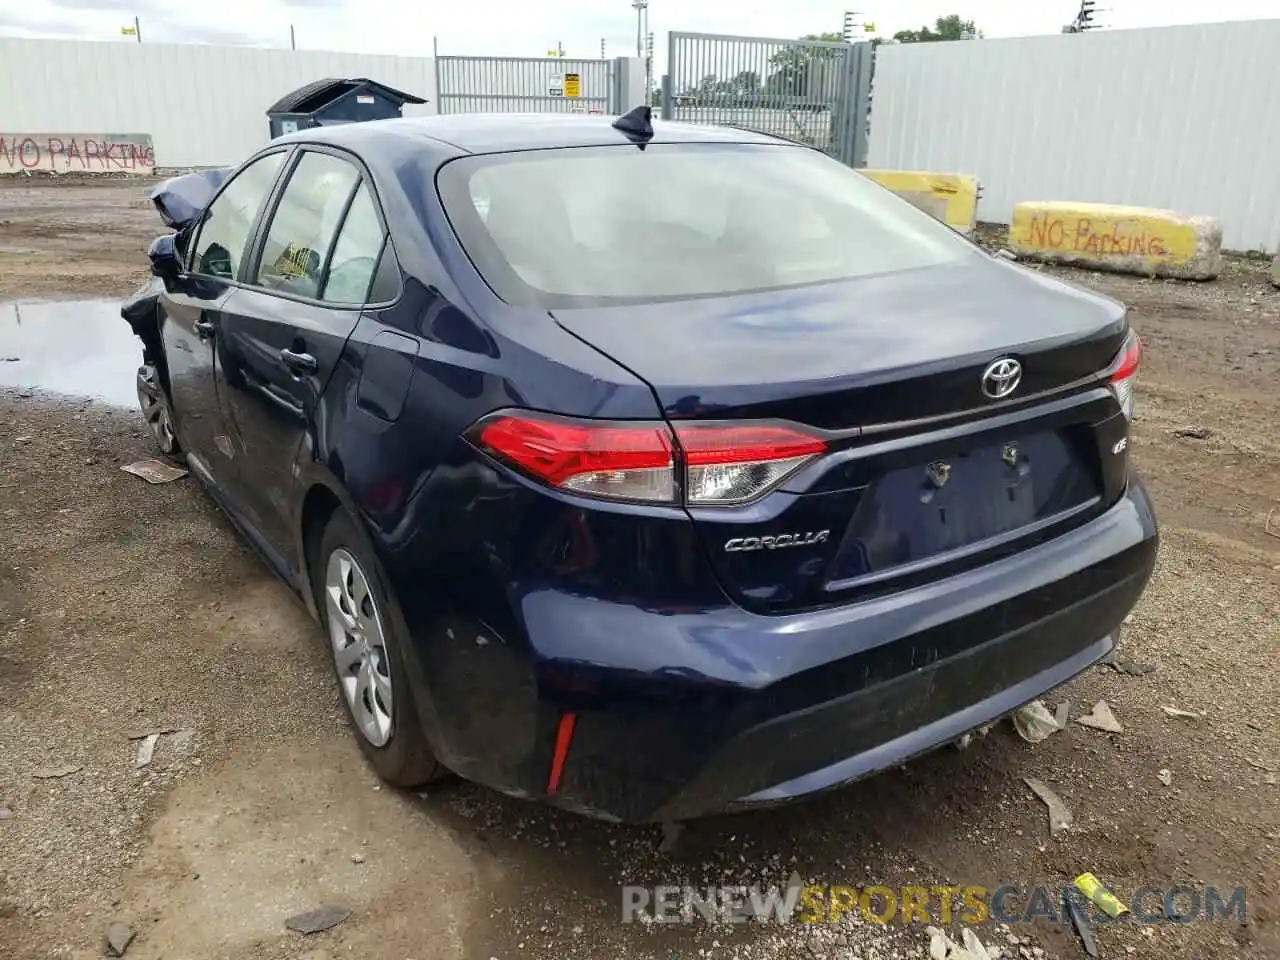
127 608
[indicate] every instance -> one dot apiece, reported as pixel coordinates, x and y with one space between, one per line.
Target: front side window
226 225
617 224
305 224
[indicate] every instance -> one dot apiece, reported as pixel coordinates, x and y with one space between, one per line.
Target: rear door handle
205 329
298 362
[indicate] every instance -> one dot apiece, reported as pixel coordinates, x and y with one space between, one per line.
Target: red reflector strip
754 444
564 736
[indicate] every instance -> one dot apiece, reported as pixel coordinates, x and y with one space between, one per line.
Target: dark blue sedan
648 469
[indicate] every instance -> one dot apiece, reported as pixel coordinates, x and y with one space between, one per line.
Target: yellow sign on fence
572 85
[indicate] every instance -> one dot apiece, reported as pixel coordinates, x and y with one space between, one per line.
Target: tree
794 67
944 28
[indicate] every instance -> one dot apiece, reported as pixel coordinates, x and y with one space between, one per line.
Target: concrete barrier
1275 271
949 197
1140 240
77 153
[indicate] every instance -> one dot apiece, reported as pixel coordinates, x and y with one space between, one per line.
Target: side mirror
164 260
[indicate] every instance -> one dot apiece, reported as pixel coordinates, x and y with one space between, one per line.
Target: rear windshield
604 225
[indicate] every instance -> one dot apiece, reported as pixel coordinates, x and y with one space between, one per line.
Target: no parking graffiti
77 153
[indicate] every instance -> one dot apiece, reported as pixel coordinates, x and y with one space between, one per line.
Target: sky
521 28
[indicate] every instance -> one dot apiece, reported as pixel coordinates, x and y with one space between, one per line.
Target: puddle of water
78 348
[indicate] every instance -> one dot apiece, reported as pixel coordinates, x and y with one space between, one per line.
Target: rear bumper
678 715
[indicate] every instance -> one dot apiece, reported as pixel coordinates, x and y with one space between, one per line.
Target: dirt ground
127 608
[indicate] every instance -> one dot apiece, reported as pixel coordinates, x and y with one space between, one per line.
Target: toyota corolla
648 469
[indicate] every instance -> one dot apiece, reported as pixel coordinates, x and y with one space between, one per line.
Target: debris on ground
1193 433
1103 898
146 749
1165 776
154 471
942 947
670 834
119 936
6 813
317 921
1101 718
1059 816
968 738
1034 722
1062 714
1079 920
56 772
157 732
1134 668
1182 714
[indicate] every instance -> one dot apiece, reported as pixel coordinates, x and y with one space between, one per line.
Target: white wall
1180 117
202 105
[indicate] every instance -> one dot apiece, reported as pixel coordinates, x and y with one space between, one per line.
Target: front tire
367 648
154 401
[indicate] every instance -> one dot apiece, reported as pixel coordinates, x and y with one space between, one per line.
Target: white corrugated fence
201 105
1186 118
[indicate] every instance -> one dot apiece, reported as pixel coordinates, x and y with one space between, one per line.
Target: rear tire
154 401
366 647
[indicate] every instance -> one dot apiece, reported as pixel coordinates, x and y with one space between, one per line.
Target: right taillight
643 462
1124 371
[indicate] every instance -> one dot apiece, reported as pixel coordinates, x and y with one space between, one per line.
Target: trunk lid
925 474
839 355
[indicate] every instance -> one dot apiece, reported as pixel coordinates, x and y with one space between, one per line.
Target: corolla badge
779 542
1001 377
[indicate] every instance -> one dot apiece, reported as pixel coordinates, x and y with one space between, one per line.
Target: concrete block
1275 271
1140 240
949 197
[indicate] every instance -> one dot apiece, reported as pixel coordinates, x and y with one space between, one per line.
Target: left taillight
734 464
645 462
618 461
1124 372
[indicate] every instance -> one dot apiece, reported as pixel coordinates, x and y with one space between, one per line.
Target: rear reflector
1123 372
714 464
564 737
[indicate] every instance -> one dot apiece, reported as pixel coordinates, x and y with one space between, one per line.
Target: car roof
503 132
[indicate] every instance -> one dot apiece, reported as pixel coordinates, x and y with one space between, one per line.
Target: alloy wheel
359 647
155 409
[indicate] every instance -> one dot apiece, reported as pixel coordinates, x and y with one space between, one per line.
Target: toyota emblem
1001 378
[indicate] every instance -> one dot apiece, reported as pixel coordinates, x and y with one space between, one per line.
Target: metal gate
814 92
523 85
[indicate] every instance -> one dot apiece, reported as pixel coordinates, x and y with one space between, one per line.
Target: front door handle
204 329
298 363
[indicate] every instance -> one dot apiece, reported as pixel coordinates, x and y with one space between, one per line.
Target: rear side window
355 255
601 225
225 228
305 224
